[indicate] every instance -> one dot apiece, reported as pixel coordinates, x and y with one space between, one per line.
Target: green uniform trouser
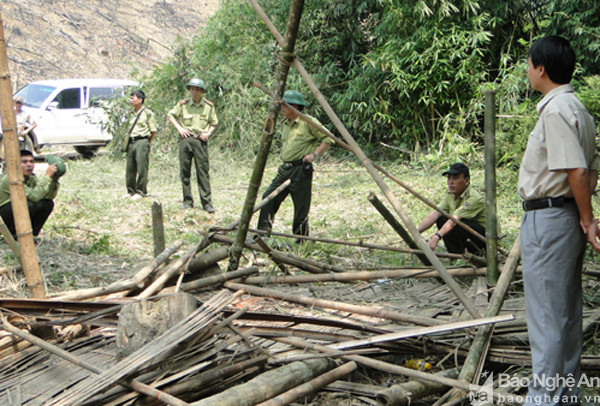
196 150
136 169
300 189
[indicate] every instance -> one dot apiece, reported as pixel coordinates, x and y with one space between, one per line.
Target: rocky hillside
51 39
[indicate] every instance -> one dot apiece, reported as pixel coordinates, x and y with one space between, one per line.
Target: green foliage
97 245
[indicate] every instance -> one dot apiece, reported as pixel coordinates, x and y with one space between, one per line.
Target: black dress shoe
209 209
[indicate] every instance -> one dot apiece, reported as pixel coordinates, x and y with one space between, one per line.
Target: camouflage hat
294 97
196 83
61 167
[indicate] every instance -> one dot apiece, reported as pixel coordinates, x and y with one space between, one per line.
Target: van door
97 97
69 115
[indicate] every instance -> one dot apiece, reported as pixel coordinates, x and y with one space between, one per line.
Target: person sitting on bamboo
464 203
39 192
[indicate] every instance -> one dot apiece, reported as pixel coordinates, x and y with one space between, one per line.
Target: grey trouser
552 248
136 169
193 149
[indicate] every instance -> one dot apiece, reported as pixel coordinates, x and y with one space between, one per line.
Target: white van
67 111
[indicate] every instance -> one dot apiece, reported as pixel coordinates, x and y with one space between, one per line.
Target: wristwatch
315 155
438 235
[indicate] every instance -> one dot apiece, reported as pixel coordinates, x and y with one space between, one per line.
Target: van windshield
35 95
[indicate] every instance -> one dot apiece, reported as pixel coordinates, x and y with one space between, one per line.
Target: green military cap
196 83
61 167
294 97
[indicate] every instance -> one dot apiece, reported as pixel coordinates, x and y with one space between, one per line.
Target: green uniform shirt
470 205
300 139
195 117
145 125
36 189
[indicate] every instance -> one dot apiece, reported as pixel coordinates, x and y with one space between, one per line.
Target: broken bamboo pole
396 226
121 286
211 281
480 345
260 205
14 172
374 311
312 386
170 271
268 384
361 276
54 349
405 393
412 229
286 57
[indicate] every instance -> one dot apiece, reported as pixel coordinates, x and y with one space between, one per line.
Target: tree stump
143 321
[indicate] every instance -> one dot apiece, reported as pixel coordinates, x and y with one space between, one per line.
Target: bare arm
428 221
580 181
310 158
180 129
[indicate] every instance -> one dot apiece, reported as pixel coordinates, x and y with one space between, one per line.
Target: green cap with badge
199 83
61 167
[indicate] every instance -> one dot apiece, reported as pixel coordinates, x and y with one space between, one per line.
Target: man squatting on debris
558 174
464 203
302 144
40 192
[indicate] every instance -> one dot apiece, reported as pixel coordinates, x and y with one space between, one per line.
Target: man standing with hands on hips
302 144
558 174
195 119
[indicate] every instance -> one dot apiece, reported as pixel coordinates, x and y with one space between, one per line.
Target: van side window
69 99
100 93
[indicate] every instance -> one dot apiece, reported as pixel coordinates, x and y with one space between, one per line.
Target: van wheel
85 151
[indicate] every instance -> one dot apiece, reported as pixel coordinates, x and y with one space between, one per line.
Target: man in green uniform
40 193
302 144
464 203
143 130
195 119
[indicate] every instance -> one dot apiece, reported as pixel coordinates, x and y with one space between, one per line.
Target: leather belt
138 139
291 164
546 202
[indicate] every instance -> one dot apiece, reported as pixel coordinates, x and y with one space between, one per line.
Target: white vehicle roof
85 82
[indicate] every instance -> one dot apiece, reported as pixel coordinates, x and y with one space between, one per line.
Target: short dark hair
25 152
557 57
139 94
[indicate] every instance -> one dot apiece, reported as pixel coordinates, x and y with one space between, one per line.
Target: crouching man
40 192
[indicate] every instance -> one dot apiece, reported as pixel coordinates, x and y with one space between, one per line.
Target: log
268 384
312 386
14 171
405 393
374 311
395 224
287 55
207 259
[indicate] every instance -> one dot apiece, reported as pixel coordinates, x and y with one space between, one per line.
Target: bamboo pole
412 229
407 392
53 349
286 57
491 226
208 259
158 228
395 224
311 386
29 258
212 280
374 311
266 200
480 345
268 384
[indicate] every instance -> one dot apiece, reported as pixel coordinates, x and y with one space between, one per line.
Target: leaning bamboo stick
362 276
14 172
311 386
10 241
375 311
286 57
53 349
